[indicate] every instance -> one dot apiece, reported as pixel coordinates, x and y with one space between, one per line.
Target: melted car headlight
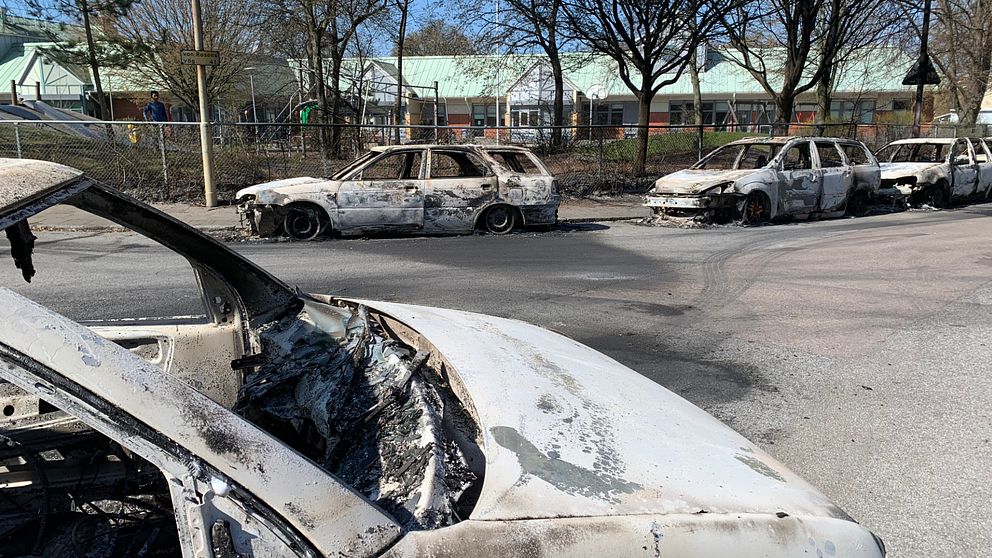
724 188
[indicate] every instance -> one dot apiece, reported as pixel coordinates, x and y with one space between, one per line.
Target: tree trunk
101 101
697 95
317 63
643 119
823 98
404 6
335 103
558 107
785 103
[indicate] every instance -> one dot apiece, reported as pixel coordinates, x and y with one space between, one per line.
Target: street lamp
254 114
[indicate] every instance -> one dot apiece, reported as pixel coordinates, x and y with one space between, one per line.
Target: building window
525 117
427 113
860 112
608 114
484 115
715 113
901 105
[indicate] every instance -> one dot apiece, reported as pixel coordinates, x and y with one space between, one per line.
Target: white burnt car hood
267 191
898 170
696 181
570 432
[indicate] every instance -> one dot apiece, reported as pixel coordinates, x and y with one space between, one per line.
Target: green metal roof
879 70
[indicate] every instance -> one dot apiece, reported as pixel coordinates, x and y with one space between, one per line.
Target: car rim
754 209
302 224
499 219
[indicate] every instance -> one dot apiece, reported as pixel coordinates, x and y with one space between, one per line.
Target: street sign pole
206 142
923 65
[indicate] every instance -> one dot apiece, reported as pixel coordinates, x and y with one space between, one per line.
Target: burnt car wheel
757 209
500 219
303 223
936 197
857 205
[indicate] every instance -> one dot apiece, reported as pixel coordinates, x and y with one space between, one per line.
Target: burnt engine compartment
331 382
338 388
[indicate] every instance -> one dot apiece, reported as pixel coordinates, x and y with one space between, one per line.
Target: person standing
155 110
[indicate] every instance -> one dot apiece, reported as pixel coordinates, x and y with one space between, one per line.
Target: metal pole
13 92
161 148
303 132
499 115
923 65
436 101
206 142
110 93
254 114
37 91
17 139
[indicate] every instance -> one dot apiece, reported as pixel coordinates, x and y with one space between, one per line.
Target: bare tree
774 41
961 44
525 25
403 7
93 55
156 31
437 37
651 41
855 27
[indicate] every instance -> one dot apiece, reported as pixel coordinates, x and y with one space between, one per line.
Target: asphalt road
856 351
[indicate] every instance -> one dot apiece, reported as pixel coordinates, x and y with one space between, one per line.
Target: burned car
280 423
935 171
756 180
433 189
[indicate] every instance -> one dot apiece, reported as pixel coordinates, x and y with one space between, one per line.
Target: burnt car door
799 183
864 166
161 470
984 161
529 182
385 193
964 170
835 175
459 184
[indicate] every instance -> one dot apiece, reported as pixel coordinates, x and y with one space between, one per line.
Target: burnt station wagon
433 189
760 179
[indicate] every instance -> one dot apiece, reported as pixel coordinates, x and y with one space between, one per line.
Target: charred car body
760 179
434 189
284 424
936 171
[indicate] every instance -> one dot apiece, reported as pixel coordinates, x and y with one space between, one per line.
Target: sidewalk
226 217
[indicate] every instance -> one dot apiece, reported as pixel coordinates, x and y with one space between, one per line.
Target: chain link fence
162 161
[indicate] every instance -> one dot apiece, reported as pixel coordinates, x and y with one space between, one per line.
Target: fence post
699 142
161 148
17 138
600 137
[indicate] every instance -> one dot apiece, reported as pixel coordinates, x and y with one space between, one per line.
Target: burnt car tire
936 197
303 223
857 205
756 210
499 219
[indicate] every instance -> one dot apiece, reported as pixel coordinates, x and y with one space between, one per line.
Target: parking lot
856 351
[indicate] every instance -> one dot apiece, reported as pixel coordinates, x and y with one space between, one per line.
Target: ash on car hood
899 170
298 184
692 181
570 432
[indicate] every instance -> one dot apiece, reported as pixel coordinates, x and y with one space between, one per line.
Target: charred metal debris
332 384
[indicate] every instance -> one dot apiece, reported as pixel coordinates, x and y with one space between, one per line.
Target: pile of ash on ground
700 222
335 387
